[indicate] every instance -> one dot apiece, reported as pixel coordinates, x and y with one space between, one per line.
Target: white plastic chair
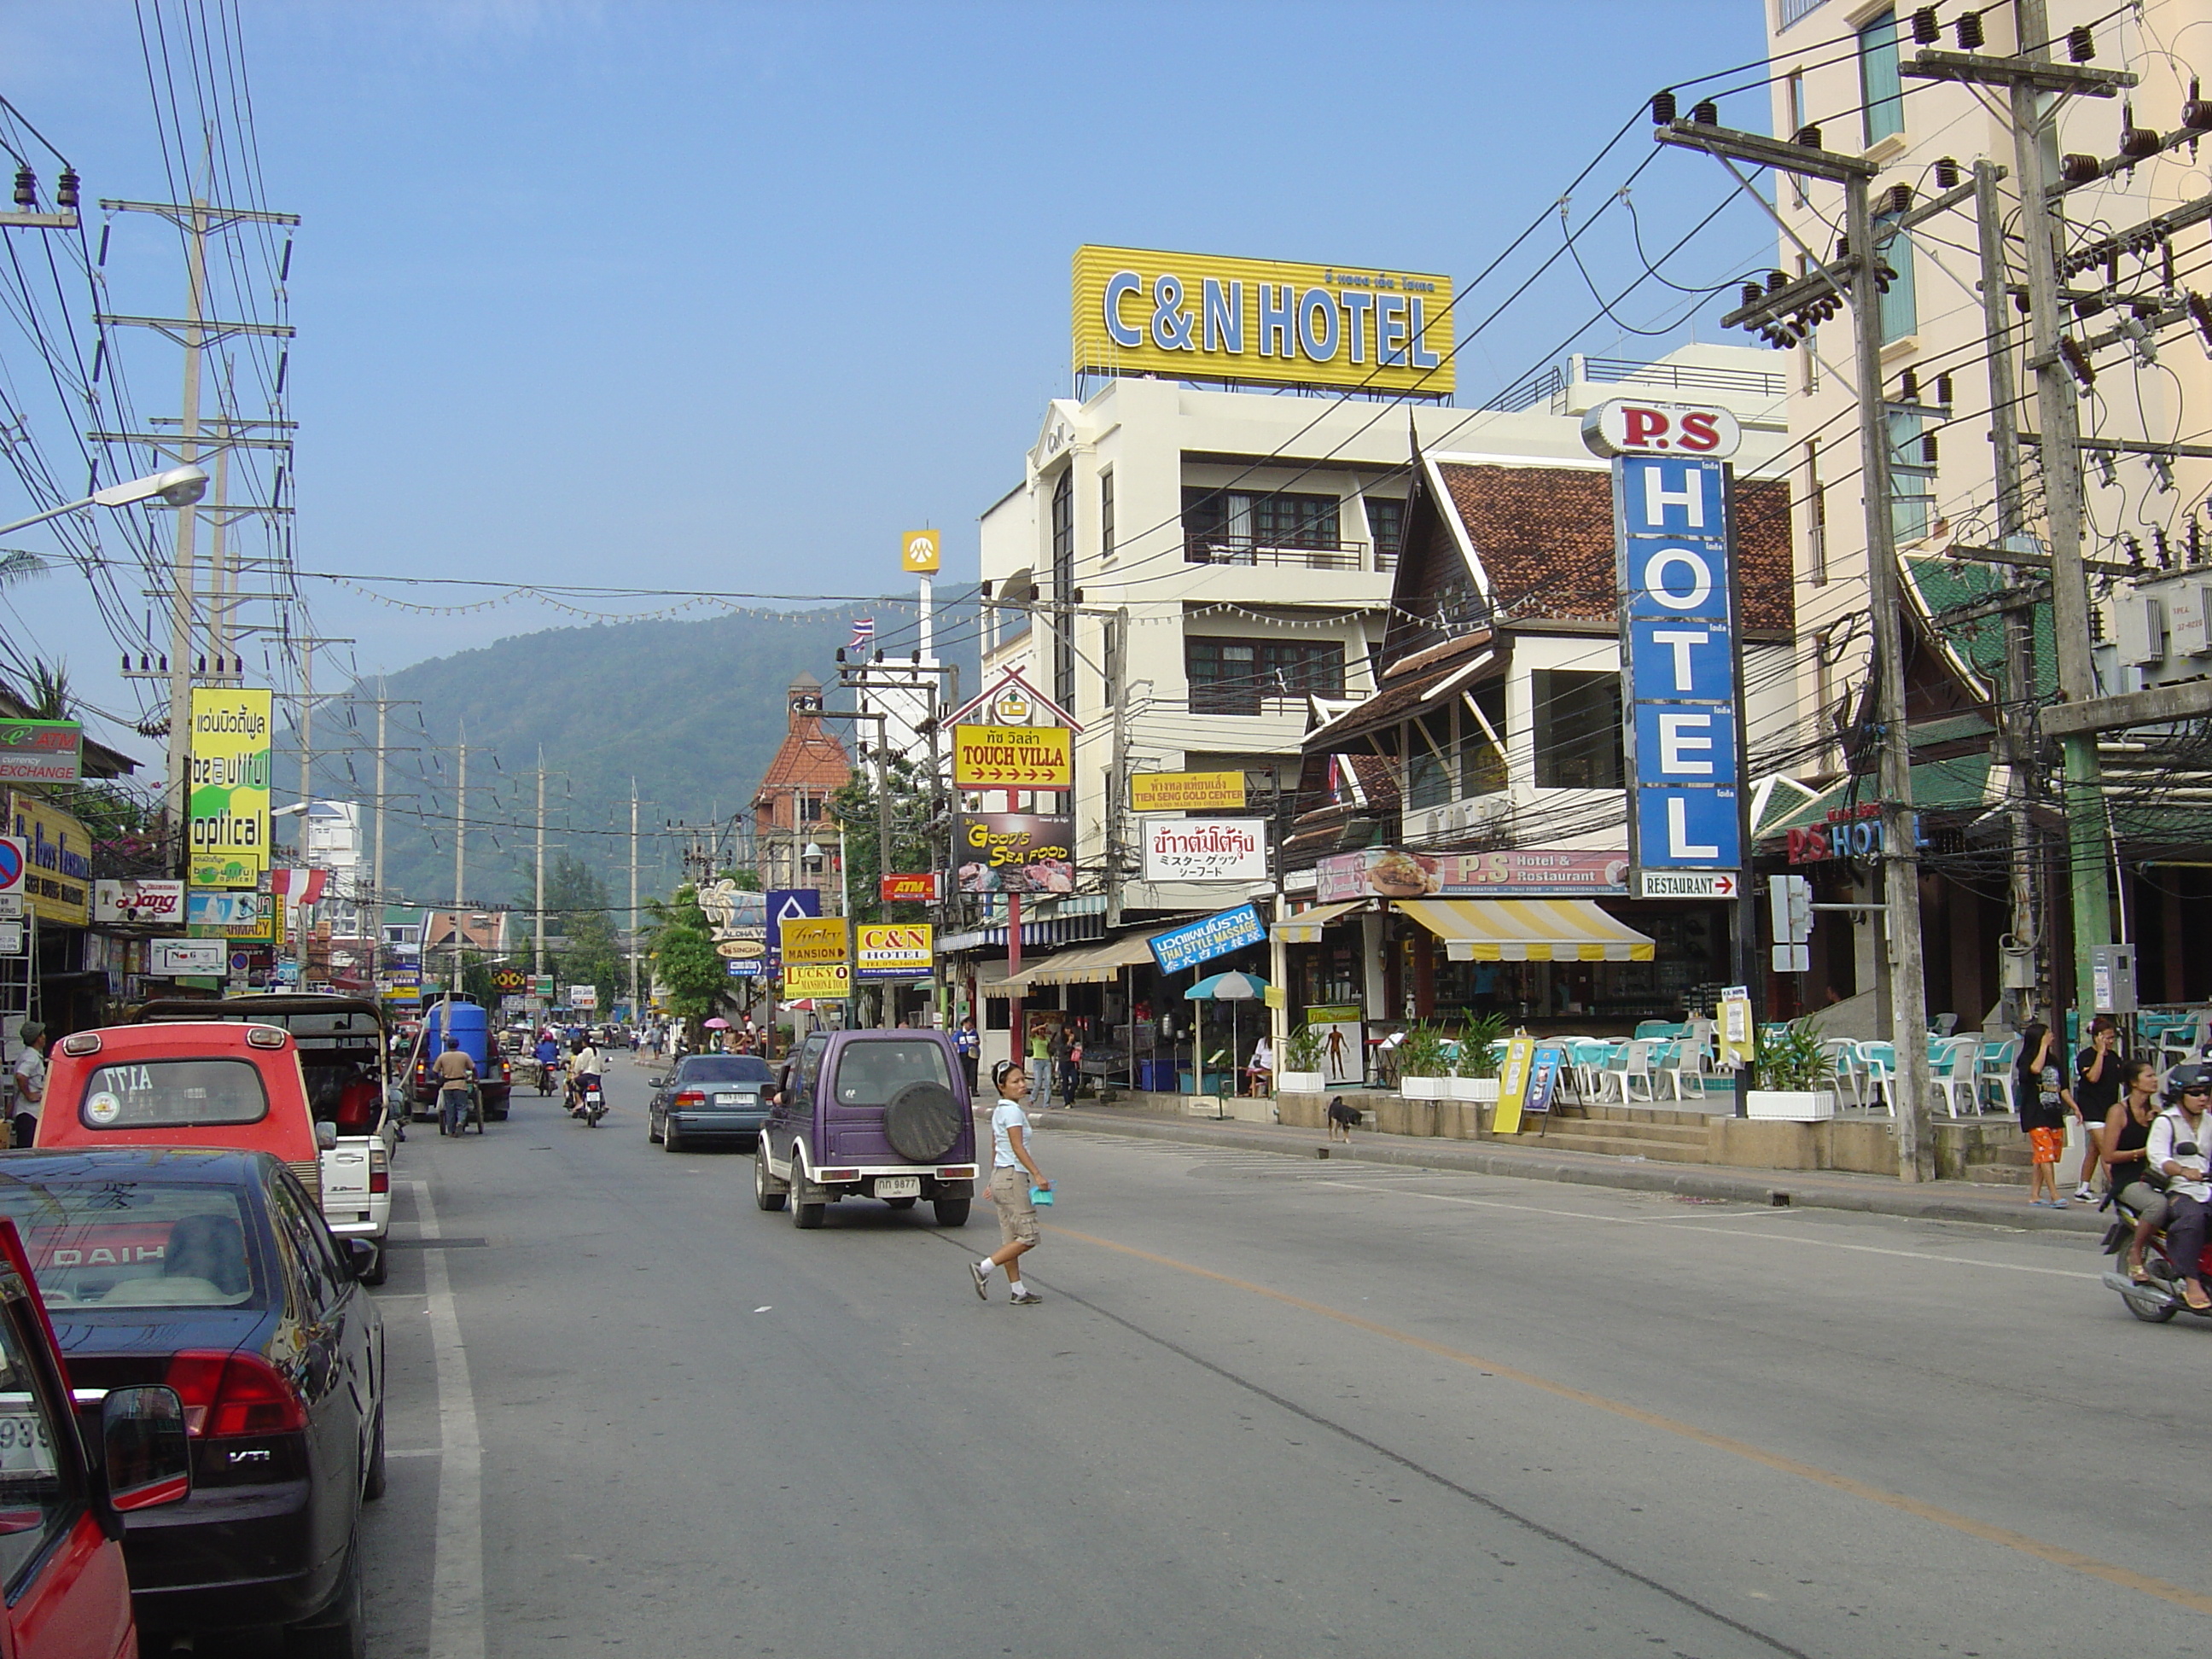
2177 1044
1879 1060
1684 1069
1849 1067
1998 1072
1633 1063
1951 1066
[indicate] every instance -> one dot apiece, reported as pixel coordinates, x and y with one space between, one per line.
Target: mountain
692 710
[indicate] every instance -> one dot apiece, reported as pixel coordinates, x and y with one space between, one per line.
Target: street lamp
180 486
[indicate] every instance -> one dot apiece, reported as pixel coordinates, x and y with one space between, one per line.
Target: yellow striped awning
1304 928
1527 930
1086 964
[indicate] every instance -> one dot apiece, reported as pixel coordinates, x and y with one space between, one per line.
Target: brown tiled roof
1403 688
1544 534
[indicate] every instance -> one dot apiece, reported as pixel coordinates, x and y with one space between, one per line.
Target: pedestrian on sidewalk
1013 1172
2097 1083
2043 1107
30 1082
2181 1124
970 1046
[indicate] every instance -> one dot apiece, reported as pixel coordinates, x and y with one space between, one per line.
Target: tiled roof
810 758
1544 534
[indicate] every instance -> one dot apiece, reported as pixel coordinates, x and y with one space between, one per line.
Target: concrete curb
1943 1201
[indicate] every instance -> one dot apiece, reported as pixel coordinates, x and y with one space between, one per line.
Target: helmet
2186 1077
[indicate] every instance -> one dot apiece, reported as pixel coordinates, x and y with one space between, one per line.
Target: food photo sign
1513 872
1015 852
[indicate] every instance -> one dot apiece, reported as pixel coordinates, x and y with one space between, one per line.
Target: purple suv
871 1115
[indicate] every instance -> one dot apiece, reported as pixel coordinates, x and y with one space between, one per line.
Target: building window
1578 730
1227 527
1881 90
1232 677
1816 516
1912 477
1428 760
1106 515
1482 761
1386 522
1063 589
1900 308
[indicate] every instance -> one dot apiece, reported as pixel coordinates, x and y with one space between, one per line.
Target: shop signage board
1208 317
173 957
1186 792
1207 938
744 945
1689 884
541 985
920 551
1206 849
507 980
585 997
56 880
1013 758
1015 852
225 910
1850 832
829 979
815 941
1680 645
138 900
895 950
919 889
228 819
1341 1036
402 996
1515 873
42 751
751 969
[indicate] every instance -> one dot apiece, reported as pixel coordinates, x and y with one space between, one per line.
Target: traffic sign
1690 884
14 861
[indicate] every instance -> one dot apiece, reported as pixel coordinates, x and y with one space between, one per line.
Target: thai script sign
1207 938
42 751
57 861
1012 757
1202 316
895 950
138 901
1514 872
1206 849
1186 792
909 889
1681 671
229 809
1015 852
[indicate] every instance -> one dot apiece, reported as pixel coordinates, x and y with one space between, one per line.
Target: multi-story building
794 837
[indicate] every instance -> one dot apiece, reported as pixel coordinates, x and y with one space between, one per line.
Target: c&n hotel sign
1204 317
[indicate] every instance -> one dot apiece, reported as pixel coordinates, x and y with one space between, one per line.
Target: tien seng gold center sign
1204 317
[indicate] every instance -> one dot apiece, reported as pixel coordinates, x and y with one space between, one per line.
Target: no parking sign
13 859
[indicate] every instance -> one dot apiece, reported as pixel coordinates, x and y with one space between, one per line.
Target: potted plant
1793 1076
1423 1063
1475 1075
1301 1073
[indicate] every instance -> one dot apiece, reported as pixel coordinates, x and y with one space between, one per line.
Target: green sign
42 751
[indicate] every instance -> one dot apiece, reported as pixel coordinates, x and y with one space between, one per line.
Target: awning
1304 928
1092 964
1527 930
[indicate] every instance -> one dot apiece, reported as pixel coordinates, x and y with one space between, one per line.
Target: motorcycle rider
548 1061
2124 1143
2189 1194
583 1067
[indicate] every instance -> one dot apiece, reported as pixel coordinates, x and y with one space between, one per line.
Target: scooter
2157 1300
591 1103
547 1070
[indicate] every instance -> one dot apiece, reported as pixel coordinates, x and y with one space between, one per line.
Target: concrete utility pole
537 924
633 897
460 847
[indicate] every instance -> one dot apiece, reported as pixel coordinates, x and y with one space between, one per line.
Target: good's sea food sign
1204 317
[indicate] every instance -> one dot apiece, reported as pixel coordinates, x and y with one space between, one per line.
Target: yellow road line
2126 1578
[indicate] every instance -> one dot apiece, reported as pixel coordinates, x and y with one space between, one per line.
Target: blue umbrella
1231 988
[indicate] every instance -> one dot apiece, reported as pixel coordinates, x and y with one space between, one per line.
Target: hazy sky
726 296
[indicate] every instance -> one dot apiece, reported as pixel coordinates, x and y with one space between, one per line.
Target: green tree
589 949
854 807
682 946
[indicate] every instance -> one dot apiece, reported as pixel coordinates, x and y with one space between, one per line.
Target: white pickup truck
341 1044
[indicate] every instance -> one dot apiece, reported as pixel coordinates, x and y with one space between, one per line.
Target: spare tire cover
922 1122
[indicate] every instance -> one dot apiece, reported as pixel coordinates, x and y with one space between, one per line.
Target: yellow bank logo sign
918 551
1204 317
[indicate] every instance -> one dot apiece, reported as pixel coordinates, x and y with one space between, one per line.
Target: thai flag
864 631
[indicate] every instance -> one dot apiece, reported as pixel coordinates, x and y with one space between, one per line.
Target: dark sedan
710 1097
210 1271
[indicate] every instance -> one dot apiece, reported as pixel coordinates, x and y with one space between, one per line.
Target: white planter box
1298 1083
1422 1088
1470 1088
1486 1089
1792 1105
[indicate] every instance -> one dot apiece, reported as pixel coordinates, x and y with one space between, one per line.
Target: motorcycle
547 1070
2157 1300
591 1102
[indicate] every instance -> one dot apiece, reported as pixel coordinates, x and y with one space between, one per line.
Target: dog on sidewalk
1342 1117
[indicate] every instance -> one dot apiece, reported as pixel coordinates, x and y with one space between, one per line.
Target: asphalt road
1270 1406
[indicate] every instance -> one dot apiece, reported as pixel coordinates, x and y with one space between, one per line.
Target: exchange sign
229 809
40 751
1012 757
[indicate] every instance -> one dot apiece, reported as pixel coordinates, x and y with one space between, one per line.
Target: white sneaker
2083 1195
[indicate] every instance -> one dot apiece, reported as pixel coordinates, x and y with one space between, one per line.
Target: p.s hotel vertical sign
1681 641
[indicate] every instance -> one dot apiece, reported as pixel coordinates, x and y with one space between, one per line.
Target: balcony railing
1215 547
1218 698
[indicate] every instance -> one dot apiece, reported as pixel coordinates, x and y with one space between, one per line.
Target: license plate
726 1100
899 1186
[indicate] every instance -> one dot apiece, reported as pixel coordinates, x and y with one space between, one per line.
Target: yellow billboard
1185 792
815 941
57 859
229 805
829 979
1206 316
1012 757
919 552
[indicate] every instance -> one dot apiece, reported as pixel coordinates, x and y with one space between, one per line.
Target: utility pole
633 895
538 926
460 846
197 219
1855 276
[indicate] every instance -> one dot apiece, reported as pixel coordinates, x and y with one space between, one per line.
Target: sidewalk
1939 1200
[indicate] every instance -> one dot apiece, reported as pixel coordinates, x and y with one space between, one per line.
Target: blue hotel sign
1681 665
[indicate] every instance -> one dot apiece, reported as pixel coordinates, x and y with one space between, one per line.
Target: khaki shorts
1010 1191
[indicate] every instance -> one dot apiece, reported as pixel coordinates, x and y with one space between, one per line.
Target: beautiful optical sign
1192 316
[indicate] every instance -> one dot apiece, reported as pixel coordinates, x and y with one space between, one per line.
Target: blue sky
726 296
